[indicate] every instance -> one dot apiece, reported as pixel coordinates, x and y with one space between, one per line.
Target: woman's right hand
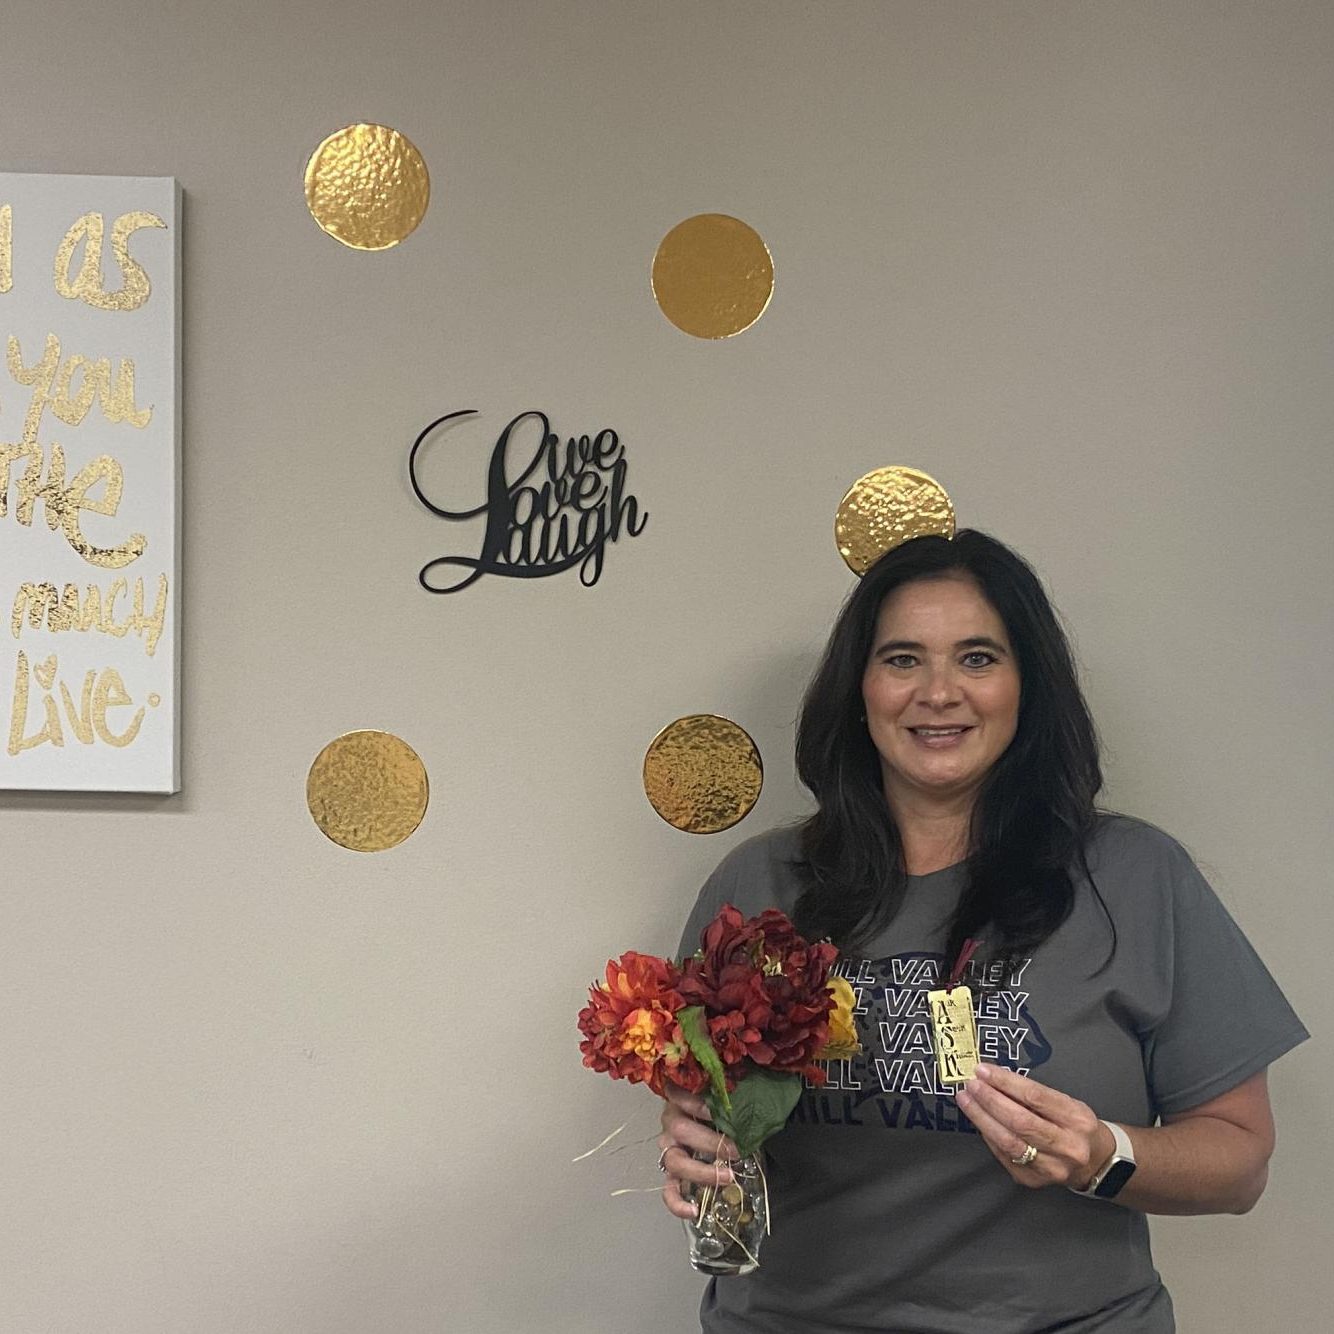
686 1126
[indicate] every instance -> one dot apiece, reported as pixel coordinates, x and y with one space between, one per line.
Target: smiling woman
1122 1022
941 691
943 634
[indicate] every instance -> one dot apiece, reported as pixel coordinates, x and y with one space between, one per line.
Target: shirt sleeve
1226 1019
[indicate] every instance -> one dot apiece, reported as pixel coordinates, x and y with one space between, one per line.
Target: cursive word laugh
557 513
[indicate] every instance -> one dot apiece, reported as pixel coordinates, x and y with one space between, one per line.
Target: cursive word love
558 512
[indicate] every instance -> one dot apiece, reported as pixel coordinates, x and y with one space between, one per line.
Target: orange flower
636 979
630 1029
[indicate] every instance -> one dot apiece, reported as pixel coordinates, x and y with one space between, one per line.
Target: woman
1124 1023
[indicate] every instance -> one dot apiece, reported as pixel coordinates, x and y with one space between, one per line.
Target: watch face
1114 1178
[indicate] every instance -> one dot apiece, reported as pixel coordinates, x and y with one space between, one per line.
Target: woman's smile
940 738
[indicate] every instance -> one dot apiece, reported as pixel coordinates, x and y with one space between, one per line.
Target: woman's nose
940 689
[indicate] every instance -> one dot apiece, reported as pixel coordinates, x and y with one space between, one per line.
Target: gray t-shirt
879 1185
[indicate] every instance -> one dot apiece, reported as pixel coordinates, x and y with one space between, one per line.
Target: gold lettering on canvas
89 721
64 504
65 610
94 705
88 284
954 1033
6 247
52 381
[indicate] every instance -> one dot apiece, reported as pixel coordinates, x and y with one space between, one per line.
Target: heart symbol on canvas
45 672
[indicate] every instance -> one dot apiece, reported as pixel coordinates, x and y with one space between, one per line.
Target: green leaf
695 1030
760 1106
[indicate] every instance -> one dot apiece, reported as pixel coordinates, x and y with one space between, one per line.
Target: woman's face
941 689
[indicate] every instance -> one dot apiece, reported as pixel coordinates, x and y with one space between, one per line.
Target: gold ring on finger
1025 1158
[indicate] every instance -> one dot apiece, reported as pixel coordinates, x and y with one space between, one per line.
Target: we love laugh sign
549 504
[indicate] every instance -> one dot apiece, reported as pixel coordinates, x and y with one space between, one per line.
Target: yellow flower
843 1041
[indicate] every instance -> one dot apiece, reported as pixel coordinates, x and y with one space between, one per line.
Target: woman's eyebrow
912 646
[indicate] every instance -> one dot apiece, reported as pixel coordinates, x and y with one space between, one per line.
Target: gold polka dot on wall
712 276
886 508
367 790
367 186
703 774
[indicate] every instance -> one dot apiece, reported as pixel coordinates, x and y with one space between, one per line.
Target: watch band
1116 1171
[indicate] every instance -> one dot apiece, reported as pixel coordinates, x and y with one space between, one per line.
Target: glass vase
733 1219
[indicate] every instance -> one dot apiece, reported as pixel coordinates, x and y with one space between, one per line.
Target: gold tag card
954 1032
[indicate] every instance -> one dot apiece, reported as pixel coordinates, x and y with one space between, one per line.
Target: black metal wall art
558 513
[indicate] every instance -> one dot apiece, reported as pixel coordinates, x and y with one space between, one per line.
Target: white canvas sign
89 483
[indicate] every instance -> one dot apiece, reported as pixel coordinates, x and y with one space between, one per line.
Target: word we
575 505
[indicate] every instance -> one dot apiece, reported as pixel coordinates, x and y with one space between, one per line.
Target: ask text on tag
954 1033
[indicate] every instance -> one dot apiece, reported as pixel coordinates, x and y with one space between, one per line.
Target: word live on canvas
558 512
52 384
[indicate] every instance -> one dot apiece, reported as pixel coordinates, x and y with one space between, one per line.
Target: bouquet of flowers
742 1022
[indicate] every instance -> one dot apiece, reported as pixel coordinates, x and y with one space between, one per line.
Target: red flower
630 1028
763 988
732 1037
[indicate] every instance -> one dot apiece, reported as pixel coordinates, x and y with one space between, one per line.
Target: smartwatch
1115 1172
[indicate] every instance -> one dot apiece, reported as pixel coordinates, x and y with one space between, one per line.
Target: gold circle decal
703 774
886 508
712 276
367 186
367 791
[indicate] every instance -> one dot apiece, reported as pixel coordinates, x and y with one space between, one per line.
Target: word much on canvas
47 608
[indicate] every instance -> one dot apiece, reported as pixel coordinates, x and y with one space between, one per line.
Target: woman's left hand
1012 1112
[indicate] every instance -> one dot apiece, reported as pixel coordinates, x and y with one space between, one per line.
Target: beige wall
1072 258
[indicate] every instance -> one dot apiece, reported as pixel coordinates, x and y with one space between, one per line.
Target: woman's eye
979 658
901 660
